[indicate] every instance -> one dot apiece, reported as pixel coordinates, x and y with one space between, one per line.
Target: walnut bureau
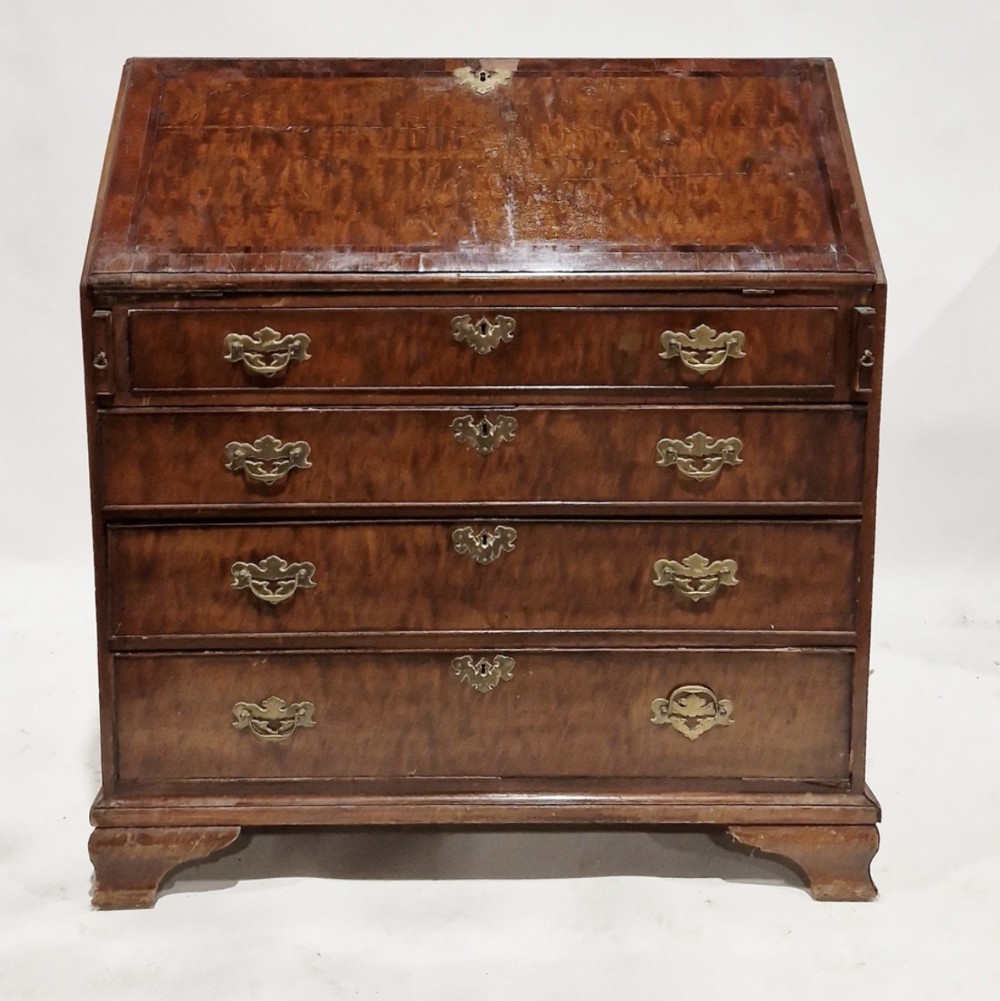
482 443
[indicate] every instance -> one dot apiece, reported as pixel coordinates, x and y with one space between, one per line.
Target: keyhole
484 538
484 326
483 76
484 428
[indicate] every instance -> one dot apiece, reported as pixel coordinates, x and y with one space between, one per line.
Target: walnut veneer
482 443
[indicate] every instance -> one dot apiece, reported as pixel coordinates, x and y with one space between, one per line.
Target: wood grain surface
345 166
560 715
384 347
558 455
560 576
367 204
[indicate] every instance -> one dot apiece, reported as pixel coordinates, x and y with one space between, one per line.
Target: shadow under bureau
482 443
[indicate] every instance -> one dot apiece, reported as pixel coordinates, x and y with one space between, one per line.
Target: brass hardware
483 435
273 579
695 577
267 460
482 80
867 359
698 456
703 349
482 545
692 710
483 336
101 360
483 675
272 719
266 352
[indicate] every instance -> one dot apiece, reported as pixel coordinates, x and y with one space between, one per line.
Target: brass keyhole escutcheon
483 435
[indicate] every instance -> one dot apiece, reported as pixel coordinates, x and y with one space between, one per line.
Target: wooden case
482 443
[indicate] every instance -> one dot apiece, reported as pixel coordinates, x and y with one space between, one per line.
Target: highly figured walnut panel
330 165
586 575
378 456
414 349
559 714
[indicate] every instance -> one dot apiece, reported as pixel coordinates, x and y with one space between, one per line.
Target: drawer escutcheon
483 675
267 460
695 577
483 435
272 719
698 456
483 545
692 710
483 336
273 579
266 352
703 349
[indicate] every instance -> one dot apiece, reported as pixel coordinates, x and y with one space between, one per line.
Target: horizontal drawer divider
562 510
485 639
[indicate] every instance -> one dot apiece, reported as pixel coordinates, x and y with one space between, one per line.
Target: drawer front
281 353
736 714
523 455
517 575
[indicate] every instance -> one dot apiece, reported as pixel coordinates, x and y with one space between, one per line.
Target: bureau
482 443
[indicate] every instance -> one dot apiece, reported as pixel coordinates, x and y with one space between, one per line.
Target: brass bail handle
273 580
698 456
691 710
266 352
703 349
695 577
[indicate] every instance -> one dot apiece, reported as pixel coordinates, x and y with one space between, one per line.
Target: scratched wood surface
585 166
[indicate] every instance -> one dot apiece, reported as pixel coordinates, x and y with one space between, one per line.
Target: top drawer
295 354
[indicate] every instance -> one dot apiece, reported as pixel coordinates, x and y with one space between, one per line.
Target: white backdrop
921 82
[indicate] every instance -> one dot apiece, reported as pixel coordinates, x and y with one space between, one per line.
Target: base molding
130 863
829 839
835 860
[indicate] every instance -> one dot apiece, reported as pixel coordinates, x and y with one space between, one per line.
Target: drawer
282 354
732 713
359 457
276 580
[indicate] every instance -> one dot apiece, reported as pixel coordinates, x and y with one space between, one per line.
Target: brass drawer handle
483 545
267 460
266 352
698 456
483 336
272 719
483 435
695 577
483 675
273 579
692 710
703 349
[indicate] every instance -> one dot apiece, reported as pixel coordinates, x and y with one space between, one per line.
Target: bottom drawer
525 713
